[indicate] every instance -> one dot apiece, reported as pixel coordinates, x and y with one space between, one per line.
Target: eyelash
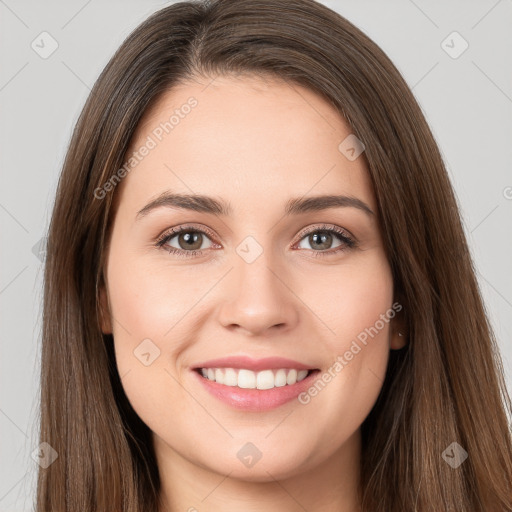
343 237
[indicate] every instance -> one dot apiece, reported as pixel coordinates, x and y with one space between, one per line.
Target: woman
258 293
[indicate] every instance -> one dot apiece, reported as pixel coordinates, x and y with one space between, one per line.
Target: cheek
356 306
153 310
349 299
148 334
148 301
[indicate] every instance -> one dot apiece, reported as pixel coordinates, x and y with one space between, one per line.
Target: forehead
240 138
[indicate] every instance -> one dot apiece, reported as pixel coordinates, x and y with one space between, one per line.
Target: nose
259 298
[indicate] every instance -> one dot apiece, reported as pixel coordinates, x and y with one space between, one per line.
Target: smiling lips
254 385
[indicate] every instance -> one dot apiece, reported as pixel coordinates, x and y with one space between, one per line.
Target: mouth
247 379
254 390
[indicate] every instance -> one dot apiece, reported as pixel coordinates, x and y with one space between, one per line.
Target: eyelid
327 227
183 227
346 237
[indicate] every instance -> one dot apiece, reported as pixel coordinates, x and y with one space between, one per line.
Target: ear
104 310
398 337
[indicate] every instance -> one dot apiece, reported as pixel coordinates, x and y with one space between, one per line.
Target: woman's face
265 276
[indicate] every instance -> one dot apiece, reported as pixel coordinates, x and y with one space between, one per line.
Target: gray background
467 101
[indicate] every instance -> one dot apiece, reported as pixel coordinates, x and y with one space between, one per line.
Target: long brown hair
445 386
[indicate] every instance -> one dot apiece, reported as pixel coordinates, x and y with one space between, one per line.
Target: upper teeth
248 379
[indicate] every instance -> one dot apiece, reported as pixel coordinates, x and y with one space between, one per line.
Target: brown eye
320 240
190 240
186 240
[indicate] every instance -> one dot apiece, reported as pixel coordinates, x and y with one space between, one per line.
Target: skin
254 143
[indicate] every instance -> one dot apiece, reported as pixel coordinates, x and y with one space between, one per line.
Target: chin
253 465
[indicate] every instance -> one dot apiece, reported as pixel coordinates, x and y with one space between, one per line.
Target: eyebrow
294 206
